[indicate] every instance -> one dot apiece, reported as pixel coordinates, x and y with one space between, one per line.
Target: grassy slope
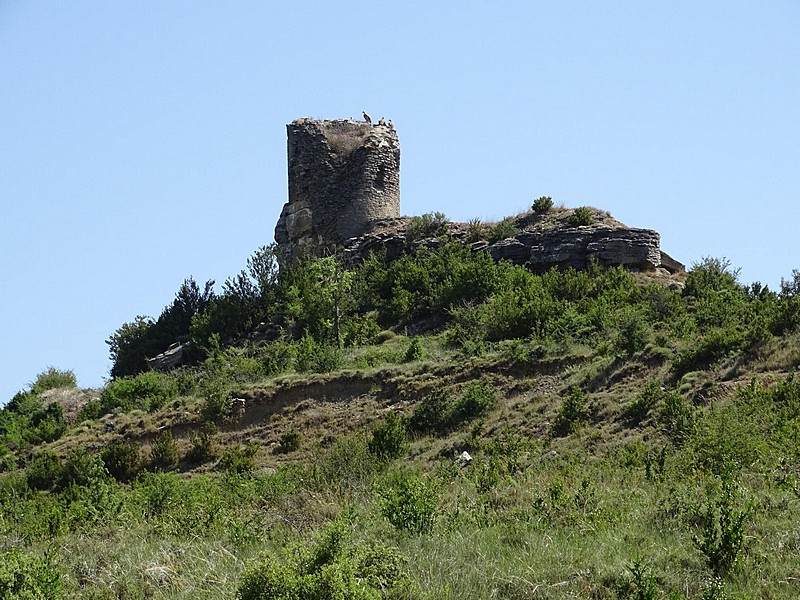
534 516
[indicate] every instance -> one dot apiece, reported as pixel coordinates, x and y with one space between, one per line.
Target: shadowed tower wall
343 175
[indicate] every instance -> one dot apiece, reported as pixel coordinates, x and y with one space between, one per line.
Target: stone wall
343 175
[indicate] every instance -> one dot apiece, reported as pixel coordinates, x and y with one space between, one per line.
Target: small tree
542 204
389 439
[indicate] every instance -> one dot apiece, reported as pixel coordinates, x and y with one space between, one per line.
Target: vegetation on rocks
440 425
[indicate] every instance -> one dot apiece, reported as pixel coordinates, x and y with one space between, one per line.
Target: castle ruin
344 198
343 175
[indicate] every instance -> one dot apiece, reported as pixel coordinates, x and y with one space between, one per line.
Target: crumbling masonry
343 175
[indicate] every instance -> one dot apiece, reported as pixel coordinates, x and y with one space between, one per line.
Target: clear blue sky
144 142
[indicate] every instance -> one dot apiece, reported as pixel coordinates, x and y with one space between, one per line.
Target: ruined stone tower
343 175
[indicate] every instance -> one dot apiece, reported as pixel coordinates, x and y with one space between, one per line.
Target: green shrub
501 230
315 357
676 416
90 411
123 460
572 413
433 413
389 440
414 351
633 332
53 378
581 216
361 330
408 502
477 399
384 336
202 447
476 230
427 225
44 470
163 452
640 584
239 460
333 567
712 347
346 464
722 529
83 469
27 577
272 580
147 391
542 204
47 424
439 412
709 276
216 406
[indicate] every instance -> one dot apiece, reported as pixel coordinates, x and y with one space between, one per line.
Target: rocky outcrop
343 176
574 247
540 242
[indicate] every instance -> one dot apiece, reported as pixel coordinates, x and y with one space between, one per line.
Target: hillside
436 424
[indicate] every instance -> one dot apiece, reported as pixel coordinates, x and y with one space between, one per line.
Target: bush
238 460
360 330
432 413
477 399
289 441
633 332
146 391
542 204
438 412
572 413
712 347
389 438
44 470
275 357
427 225
502 230
476 230
202 444
709 276
52 379
123 460
164 452
676 416
216 407
722 529
581 216
414 351
83 469
317 358
408 503
23 576
332 568
647 399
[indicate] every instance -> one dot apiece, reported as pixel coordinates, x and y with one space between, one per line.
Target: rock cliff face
343 175
539 242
